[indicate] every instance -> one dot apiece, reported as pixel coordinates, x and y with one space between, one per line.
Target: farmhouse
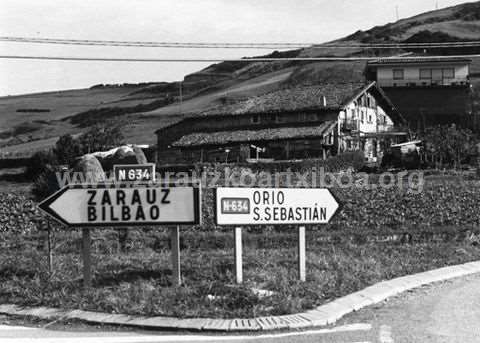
299 123
426 90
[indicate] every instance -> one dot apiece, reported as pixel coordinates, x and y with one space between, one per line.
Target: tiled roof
293 99
271 134
413 60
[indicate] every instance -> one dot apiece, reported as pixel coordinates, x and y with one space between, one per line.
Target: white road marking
15 328
385 334
184 338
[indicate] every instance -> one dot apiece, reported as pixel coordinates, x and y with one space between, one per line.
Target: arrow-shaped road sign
271 206
105 205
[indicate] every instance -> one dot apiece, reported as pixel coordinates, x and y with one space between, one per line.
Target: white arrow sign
270 206
104 205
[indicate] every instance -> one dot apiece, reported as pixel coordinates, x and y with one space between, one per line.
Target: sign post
87 258
238 255
175 243
275 206
49 248
109 205
301 254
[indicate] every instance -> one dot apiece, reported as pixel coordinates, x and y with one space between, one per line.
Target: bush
354 160
39 163
46 183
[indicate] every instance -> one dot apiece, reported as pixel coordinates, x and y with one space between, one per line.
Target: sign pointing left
103 205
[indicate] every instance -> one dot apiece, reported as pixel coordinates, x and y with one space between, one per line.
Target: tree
67 149
448 145
459 144
100 138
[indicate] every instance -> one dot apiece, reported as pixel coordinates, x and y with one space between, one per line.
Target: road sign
105 205
270 206
134 172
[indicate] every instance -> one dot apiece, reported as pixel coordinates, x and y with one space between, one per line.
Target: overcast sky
245 21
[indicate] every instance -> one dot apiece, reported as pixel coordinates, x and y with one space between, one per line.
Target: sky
238 21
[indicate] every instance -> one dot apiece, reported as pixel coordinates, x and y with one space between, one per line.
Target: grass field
379 235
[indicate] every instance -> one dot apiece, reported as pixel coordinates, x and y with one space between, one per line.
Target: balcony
455 82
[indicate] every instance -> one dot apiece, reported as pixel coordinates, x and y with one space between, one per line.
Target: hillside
461 22
30 122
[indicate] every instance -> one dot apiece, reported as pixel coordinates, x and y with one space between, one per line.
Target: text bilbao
127 205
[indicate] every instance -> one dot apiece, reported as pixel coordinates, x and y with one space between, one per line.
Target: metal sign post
274 206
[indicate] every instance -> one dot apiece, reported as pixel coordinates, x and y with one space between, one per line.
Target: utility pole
396 12
436 5
181 97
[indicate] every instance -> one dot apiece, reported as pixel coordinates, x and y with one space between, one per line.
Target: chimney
324 101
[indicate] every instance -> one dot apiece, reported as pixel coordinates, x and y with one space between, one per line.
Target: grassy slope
461 21
62 104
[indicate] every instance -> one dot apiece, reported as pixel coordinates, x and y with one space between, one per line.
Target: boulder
141 158
123 155
90 167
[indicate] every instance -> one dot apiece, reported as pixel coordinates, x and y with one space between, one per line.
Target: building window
449 73
369 118
256 119
437 74
279 118
425 74
398 74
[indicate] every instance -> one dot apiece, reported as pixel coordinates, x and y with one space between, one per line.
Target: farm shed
298 123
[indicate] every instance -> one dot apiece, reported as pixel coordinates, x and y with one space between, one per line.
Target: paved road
444 312
440 313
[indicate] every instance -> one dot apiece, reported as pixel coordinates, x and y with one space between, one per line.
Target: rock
122 155
141 158
90 166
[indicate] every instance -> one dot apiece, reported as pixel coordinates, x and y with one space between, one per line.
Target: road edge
320 316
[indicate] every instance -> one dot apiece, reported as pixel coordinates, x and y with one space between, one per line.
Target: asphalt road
444 312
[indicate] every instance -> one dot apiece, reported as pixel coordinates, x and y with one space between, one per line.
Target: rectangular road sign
105 205
134 172
270 206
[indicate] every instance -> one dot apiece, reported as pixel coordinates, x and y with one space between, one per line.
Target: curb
323 315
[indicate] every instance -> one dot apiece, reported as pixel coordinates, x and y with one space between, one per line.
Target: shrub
46 183
39 163
354 160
